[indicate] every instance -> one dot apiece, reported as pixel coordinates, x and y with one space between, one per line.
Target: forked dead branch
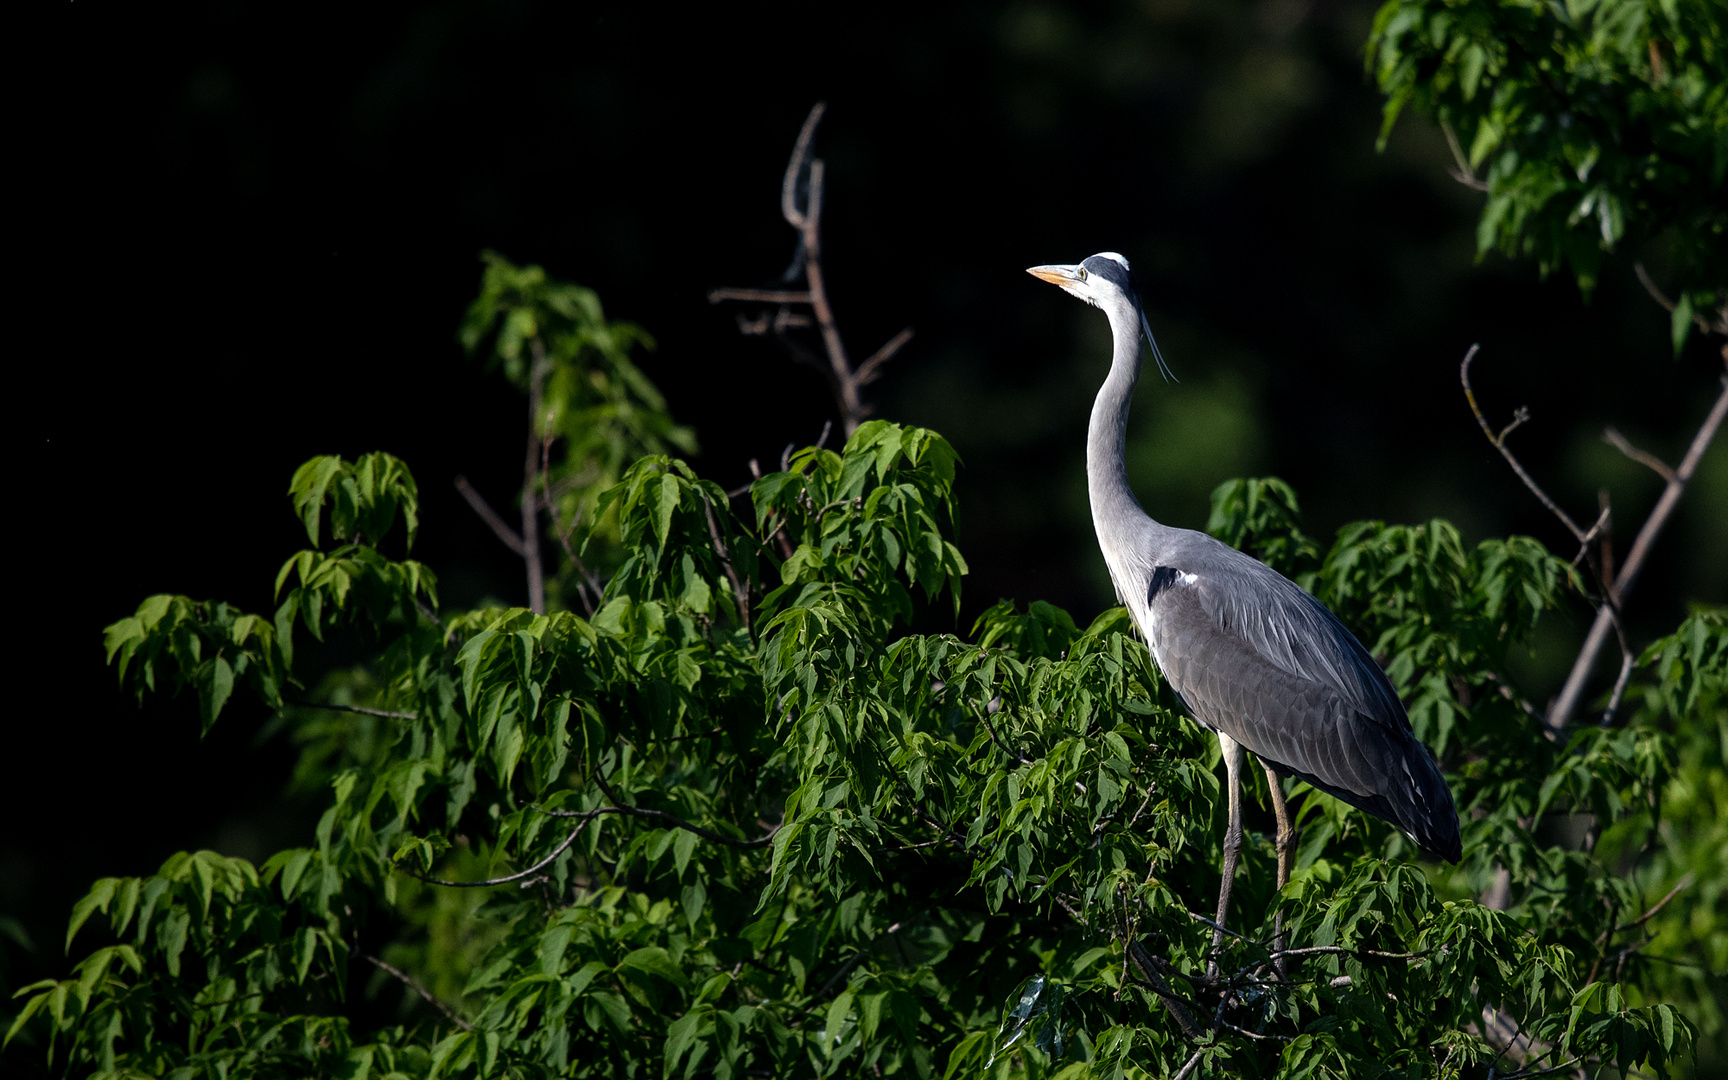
1594 547
805 177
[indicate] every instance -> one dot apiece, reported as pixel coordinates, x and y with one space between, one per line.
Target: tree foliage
741 822
1599 122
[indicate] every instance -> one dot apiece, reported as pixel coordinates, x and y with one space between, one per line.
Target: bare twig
1679 886
1187 1069
1613 438
406 980
531 480
870 370
763 296
984 717
362 709
801 191
1461 170
678 822
504 532
1650 287
586 817
740 592
1499 443
1572 693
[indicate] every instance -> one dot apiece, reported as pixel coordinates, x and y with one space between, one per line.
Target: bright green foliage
591 410
1599 121
741 823
1682 830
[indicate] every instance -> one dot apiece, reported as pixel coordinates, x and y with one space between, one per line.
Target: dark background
246 236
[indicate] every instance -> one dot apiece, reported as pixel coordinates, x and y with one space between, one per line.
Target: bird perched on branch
1252 656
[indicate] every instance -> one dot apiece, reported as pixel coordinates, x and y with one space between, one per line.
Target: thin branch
1684 881
844 381
678 822
1224 929
533 480
1542 1072
984 717
1572 693
475 501
762 296
1499 443
408 981
1187 1070
1650 287
740 592
1461 170
362 709
1613 438
530 872
1316 950
800 152
870 370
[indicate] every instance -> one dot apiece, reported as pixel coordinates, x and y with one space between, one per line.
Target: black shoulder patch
1162 578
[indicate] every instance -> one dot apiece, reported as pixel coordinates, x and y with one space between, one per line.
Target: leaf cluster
1599 122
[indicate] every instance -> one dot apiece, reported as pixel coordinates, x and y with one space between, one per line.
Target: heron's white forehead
1113 255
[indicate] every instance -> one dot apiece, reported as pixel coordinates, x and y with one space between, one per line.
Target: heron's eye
1082 273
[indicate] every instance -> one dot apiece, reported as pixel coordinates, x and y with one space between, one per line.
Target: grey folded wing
1254 656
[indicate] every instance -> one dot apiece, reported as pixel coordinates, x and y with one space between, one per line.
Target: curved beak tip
1055 275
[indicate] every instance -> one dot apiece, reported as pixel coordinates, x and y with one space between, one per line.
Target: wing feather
1256 657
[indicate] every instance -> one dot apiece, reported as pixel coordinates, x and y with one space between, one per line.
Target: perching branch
845 381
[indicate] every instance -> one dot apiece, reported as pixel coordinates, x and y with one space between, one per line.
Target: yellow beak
1055 275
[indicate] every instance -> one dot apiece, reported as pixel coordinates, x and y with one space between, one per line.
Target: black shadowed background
248 235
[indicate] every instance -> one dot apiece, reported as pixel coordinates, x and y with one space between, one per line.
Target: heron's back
1256 657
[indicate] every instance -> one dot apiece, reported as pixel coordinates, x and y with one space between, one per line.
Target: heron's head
1105 281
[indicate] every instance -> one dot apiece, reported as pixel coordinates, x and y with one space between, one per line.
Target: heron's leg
1286 856
1286 830
1232 751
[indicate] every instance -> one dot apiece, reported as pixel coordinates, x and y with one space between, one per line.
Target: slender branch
530 872
844 381
1613 438
476 502
1499 443
740 592
869 371
1650 287
764 296
984 717
409 982
1461 170
1572 693
362 709
1684 881
532 480
1187 1070
1542 1072
800 151
678 822
1336 950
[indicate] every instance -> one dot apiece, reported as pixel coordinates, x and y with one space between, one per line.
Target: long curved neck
1113 504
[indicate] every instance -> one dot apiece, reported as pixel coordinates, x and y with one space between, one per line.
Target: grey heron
1251 655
